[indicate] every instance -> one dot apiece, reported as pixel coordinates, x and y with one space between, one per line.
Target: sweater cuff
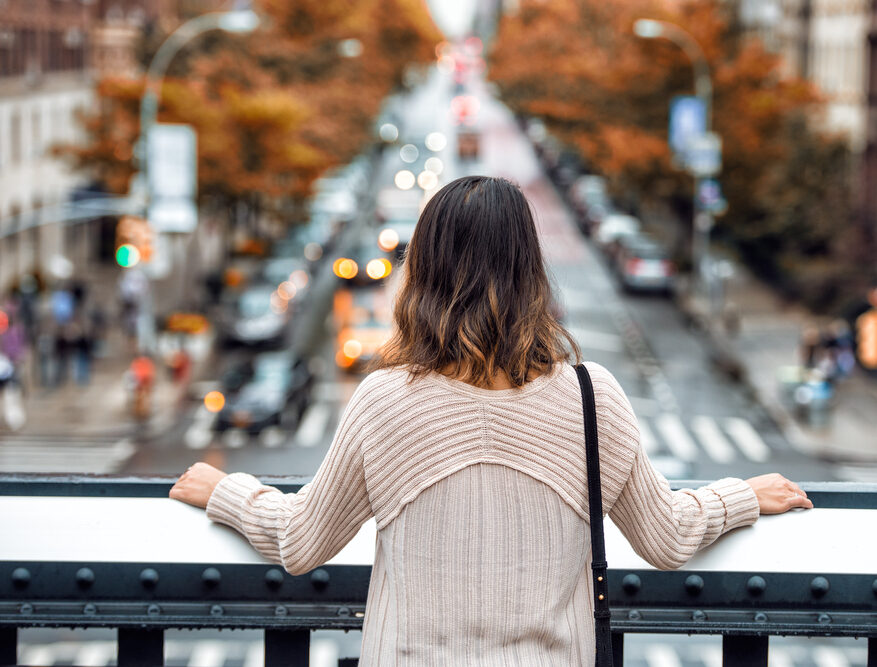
227 500
739 500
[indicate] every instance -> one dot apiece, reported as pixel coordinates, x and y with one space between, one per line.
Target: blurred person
467 446
809 348
10 395
181 372
82 345
142 373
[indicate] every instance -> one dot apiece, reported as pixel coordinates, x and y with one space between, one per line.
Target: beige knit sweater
480 499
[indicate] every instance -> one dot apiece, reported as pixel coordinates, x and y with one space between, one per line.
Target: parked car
254 316
276 394
614 226
643 264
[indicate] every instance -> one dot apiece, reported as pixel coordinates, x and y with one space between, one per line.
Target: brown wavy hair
475 297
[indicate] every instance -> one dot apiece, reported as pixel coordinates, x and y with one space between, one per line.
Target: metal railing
115 553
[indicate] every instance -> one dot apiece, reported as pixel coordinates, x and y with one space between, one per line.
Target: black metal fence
142 599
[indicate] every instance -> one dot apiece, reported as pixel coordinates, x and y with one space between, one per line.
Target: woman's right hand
776 494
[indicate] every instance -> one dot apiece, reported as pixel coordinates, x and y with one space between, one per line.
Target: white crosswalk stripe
828 656
95 654
719 439
711 438
208 654
662 655
747 439
313 425
856 473
100 455
676 437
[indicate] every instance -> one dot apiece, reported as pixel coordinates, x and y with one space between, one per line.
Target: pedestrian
83 347
467 446
142 373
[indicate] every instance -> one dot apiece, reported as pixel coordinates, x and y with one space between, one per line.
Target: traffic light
866 339
133 241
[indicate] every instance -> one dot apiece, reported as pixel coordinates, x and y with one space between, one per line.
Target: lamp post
237 21
703 90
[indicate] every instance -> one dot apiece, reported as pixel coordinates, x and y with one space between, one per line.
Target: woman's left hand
196 484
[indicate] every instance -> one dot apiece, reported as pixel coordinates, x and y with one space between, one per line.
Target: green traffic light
127 255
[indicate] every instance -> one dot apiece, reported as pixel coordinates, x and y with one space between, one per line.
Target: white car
614 226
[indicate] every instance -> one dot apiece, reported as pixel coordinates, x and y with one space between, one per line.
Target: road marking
200 432
34 454
589 339
272 437
235 438
646 438
313 425
255 656
780 657
662 655
323 653
712 440
674 434
828 656
747 439
208 654
712 655
38 655
854 473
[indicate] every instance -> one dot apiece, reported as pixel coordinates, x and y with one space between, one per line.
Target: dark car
643 264
276 394
256 315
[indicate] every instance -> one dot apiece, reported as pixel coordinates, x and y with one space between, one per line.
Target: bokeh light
436 141
389 132
286 290
352 348
127 255
404 179
409 153
435 165
313 252
299 278
345 268
214 401
279 304
378 268
4 322
388 239
427 180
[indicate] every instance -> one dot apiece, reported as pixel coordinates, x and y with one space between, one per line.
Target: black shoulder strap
595 510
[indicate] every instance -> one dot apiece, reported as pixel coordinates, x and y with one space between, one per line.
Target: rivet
319 579
89 609
761 617
824 619
20 577
600 597
25 609
153 610
693 584
84 577
280 610
216 610
698 615
631 584
274 578
344 612
211 577
148 578
756 585
634 615
819 586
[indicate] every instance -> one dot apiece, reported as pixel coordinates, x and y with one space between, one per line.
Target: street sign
687 120
705 155
172 178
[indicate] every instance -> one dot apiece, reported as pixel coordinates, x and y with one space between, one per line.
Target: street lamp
237 21
703 90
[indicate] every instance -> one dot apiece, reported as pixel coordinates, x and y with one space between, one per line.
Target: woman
467 447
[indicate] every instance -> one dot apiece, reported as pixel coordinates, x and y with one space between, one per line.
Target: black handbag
602 633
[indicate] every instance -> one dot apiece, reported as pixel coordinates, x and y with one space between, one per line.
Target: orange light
299 278
278 302
4 322
352 348
866 334
378 268
214 401
342 360
345 268
388 239
286 290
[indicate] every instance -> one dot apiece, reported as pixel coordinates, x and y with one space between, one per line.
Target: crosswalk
70 454
640 651
699 437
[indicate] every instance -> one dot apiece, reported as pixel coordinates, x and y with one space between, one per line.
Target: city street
696 423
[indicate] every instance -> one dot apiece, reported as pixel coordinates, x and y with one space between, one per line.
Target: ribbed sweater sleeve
305 529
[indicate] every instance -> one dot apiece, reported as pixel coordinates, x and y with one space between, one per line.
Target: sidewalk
768 339
102 408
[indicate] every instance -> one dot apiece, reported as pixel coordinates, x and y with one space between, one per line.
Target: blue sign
687 120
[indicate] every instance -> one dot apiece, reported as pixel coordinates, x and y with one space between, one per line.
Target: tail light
632 266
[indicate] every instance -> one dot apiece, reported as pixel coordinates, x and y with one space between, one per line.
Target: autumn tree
606 93
275 109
